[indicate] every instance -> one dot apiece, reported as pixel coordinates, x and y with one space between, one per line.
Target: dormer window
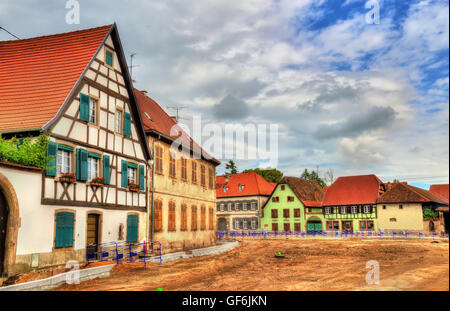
241 187
109 57
225 188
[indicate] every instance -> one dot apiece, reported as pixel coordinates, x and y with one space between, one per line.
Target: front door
314 226
3 224
347 226
92 235
222 225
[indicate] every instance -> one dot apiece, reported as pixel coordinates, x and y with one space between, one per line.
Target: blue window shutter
64 229
82 166
124 174
141 177
127 124
106 169
51 164
132 228
84 107
109 58
69 220
59 234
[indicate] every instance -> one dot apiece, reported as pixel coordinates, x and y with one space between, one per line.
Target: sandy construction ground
308 265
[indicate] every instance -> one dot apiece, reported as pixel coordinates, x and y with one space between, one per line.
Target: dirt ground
309 265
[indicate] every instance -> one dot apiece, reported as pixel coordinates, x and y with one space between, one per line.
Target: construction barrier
122 252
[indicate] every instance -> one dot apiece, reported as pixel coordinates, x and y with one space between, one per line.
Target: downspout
152 236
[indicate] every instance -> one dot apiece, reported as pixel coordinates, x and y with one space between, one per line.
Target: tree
396 180
232 167
269 174
313 175
329 176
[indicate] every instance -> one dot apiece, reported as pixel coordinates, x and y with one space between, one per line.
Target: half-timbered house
76 87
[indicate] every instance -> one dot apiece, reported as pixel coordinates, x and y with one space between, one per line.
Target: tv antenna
177 108
132 55
1 28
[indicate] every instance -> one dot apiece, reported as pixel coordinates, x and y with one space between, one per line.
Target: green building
294 205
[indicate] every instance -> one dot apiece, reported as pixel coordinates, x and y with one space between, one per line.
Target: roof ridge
60 34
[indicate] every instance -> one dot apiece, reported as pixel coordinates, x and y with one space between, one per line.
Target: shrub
26 151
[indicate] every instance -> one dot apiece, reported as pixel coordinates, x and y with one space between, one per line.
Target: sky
356 97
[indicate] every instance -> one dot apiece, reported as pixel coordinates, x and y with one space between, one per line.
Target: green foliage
25 151
313 176
429 213
271 175
232 167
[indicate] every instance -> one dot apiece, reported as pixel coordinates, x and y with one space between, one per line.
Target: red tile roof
440 190
307 191
37 74
162 123
351 190
403 193
254 184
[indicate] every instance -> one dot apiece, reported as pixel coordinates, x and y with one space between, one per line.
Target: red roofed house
403 208
183 197
240 198
76 87
442 191
350 203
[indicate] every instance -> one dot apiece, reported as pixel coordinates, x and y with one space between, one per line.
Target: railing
327 234
121 252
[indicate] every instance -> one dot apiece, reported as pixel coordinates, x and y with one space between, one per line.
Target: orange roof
350 190
440 190
162 123
254 184
37 75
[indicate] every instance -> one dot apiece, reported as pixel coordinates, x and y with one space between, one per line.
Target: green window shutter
82 166
106 169
127 124
109 58
84 107
69 220
132 228
59 234
124 174
141 177
51 164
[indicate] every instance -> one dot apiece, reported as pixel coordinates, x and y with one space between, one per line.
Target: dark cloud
328 96
230 108
375 118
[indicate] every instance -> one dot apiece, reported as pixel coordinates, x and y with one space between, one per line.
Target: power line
10 33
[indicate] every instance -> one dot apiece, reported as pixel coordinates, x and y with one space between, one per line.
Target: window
332 225
158 159
245 223
63 161
225 189
194 172
274 213
229 206
290 199
158 215
286 213
274 227
119 120
193 217
93 111
238 206
296 212
109 57
172 167
171 219
240 188
211 178
327 210
283 187
232 206
64 224
287 227
367 209
238 224
218 207
275 199
93 166
183 217
245 206
132 228
254 206
297 227
203 218
384 206
393 219
354 209
202 175
400 206
211 218
183 168
254 224
343 210
366 225
222 206
131 173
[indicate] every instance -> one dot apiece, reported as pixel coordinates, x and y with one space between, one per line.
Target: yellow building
183 196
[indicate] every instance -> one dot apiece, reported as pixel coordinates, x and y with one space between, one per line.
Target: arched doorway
314 224
222 225
3 227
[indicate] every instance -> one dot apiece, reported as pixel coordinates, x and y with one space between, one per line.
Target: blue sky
355 97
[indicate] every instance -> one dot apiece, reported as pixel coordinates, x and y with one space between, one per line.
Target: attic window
241 187
109 57
148 116
282 187
225 188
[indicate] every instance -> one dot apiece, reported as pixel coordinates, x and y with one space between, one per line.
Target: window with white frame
245 206
222 206
229 205
354 209
343 210
63 161
367 209
119 121
254 223
93 167
238 206
254 206
131 175
327 210
93 111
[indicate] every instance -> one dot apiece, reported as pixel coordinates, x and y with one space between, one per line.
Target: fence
256 234
121 252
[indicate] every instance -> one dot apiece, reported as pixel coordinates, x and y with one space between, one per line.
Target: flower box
133 187
97 182
67 177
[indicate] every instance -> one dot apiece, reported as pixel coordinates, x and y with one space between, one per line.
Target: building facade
183 190
294 205
240 198
78 90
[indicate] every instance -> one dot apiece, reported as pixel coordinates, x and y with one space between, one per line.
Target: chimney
174 118
145 92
